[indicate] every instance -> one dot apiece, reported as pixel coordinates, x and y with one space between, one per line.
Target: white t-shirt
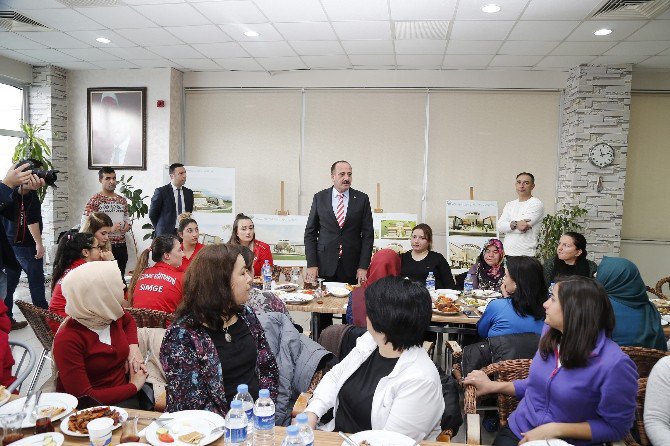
517 243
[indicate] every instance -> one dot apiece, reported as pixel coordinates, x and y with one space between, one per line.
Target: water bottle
264 419
247 400
430 281
236 425
266 271
305 430
293 437
467 285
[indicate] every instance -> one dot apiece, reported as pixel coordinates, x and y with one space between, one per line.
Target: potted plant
136 207
32 146
553 226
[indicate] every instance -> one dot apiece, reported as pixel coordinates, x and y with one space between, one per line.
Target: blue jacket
602 393
501 319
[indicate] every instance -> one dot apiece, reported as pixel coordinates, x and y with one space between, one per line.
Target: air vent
632 9
89 3
427 29
13 21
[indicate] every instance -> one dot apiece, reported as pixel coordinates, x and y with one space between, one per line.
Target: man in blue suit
170 200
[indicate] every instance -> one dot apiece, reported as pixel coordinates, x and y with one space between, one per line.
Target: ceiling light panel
199 33
472 10
292 10
422 9
118 17
306 31
560 10
180 14
363 30
231 12
620 30
422 29
472 30
539 30
266 32
342 10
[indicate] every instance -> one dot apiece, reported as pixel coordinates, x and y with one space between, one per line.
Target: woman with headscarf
488 271
96 349
638 322
384 263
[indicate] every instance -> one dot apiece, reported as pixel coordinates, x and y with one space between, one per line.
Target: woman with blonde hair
100 225
160 286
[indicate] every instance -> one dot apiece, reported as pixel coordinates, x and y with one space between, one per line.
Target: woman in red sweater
244 234
158 287
6 358
95 349
74 249
189 235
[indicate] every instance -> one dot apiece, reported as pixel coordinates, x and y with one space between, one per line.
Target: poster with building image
213 200
470 224
285 235
393 231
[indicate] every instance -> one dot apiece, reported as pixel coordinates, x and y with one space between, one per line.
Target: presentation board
470 224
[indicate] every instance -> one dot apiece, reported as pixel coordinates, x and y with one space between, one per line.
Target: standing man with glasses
339 234
116 207
169 201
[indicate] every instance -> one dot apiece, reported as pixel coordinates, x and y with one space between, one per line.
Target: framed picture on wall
117 128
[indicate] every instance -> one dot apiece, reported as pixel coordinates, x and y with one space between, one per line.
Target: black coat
7 258
163 210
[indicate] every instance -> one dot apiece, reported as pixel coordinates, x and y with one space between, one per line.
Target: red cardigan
262 253
159 288
86 366
6 357
57 304
186 261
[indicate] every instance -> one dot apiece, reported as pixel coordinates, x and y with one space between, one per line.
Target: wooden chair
658 291
509 370
145 317
38 319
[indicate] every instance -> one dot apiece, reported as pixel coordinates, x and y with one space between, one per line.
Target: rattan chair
39 318
145 317
658 289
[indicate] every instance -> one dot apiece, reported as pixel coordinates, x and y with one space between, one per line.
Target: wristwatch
513 225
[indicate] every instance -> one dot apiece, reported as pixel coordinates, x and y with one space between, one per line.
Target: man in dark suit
169 201
339 234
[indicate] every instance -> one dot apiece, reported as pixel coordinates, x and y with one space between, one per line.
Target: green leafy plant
32 146
553 226
137 208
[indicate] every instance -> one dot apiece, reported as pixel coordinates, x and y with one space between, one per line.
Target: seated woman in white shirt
387 381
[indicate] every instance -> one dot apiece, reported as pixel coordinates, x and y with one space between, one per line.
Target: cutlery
348 439
216 430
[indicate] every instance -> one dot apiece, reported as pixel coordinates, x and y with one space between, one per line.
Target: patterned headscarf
495 272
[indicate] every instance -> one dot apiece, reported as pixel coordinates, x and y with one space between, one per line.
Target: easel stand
281 210
378 209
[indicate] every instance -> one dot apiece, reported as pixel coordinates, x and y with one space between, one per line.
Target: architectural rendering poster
469 225
213 200
285 235
393 231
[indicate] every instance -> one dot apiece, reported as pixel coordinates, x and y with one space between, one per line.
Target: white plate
38 440
188 421
65 400
288 287
664 322
486 294
5 396
382 438
481 308
330 285
339 291
64 424
296 298
448 291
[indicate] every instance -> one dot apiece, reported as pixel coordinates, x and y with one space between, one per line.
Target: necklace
227 335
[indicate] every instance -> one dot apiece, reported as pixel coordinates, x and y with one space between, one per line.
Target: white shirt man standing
521 218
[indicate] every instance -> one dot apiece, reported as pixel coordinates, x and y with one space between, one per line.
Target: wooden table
321 438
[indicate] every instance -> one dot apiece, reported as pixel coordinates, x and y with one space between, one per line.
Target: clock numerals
601 155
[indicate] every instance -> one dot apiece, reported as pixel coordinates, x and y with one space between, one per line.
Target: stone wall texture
595 109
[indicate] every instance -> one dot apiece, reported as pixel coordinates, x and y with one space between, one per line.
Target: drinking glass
296 276
40 414
129 431
11 427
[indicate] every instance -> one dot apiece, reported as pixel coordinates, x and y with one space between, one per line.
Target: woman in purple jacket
581 387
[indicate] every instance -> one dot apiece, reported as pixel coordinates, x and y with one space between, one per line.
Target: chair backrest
39 318
658 289
508 371
24 360
513 346
644 358
145 317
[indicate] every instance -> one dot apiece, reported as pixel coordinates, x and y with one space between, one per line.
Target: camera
49 176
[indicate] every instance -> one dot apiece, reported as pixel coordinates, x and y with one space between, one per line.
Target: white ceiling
200 35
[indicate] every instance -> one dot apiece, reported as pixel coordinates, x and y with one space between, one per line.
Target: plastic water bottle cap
236 404
242 388
264 393
292 430
301 418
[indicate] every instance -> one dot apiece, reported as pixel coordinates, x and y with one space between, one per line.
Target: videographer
24 233
16 176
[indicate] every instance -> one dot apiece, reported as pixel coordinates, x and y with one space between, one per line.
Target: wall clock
601 155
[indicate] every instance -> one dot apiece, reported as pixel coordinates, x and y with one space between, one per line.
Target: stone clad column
48 104
595 109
